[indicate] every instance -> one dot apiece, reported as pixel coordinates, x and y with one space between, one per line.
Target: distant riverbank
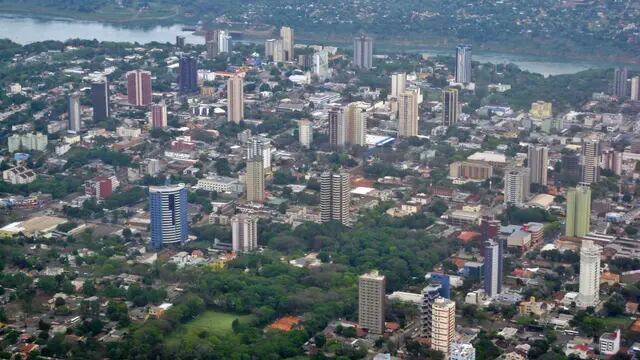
26 29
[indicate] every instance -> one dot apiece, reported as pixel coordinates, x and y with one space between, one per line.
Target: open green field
620 322
213 322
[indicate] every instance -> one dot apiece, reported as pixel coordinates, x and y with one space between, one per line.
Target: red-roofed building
286 323
466 236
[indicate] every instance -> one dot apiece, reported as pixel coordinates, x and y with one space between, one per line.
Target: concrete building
168 210
470 170
635 88
188 74
255 180
100 99
337 128
19 175
450 107
259 148
224 42
139 88
244 233
363 52
612 160
578 218
516 186
429 296
305 133
590 161
335 197
74 113
538 163
541 110
356 122
235 99
159 115
610 343
212 49
493 267
321 65
398 84
371 302
27 142
287 36
443 325
462 351
589 292
620 77
463 64
408 114
221 184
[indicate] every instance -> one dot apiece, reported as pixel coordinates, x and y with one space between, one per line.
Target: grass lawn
214 322
620 322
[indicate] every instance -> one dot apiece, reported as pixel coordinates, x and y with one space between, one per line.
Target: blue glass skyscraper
445 283
493 267
168 210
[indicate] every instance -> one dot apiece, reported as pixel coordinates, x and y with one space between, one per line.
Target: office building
305 133
516 186
578 214
356 121
168 210
590 161
408 114
100 99
259 148
180 41
269 48
244 233
212 49
589 287
337 128
612 160
444 281
570 166
363 52
286 34
489 227
139 87
398 84
235 99
429 296
321 65
538 163
74 113
635 88
469 170
335 197
211 35
493 267
254 180
443 325
450 107
371 298
541 110
188 76
159 115
620 83
224 42
462 351
463 64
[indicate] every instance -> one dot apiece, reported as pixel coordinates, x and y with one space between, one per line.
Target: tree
615 305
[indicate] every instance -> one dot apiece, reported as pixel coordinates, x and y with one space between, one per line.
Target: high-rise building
180 41
493 267
516 185
337 128
212 49
100 99
398 84
612 160
578 218
470 170
211 35
570 166
321 65
244 233
371 298
589 288
429 296
159 115
74 113
168 209
538 162
450 107
224 42
235 99
139 87
489 227
408 114
27 142
363 52
620 83
269 48
356 119
286 34
188 77
590 161
259 148
305 133
462 351
635 88
254 179
463 64
335 197
443 325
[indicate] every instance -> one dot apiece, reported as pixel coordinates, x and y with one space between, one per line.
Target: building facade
516 186
578 214
168 210
305 133
363 52
100 99
74 113
589 291
335 197
429 296
408 114
590 161
493 267
371 302
139 87
463 64
255 180
188 75
450 107
235 99
538 163
159 115
443 325
244 233
337 128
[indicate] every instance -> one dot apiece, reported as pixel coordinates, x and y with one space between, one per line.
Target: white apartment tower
589 291
335 197
408 114
371 298
443 325
244 230
516 185
538 162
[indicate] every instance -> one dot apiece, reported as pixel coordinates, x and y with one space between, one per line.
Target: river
24 30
